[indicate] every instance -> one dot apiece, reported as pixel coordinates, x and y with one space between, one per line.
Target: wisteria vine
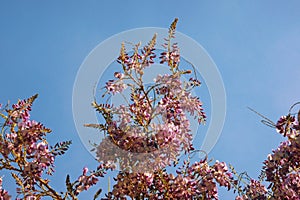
144 136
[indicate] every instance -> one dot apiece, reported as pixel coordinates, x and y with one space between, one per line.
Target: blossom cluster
23 148
85 181
151 129
254 190
25 152
196 181
282 167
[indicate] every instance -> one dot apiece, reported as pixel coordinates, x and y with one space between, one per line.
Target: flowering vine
151 129
144 136
25 152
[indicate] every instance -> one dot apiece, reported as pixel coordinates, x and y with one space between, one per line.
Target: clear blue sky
255 44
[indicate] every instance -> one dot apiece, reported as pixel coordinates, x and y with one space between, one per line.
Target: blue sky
255 44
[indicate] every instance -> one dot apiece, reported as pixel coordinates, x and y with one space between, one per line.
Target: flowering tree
144 136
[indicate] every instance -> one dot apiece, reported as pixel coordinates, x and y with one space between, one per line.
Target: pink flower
85 170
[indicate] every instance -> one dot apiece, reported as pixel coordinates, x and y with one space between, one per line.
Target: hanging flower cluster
282 167
25 152
153 122
196 181
23 148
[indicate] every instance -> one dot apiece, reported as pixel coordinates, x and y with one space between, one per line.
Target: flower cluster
197 181
25 152
149 131
85 181
282 167
288 126
254 190
24 145
172 55
152 128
